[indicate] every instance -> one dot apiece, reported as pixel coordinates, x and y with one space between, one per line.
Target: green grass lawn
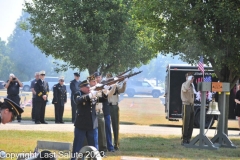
162 147
141 111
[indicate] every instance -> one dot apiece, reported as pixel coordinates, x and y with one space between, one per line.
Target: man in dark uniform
59 99
34 95
106 114
13 85
9 110
74 86
41 88
86 123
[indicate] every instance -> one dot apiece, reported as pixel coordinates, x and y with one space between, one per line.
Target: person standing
34 95
74 86
42 89
106 114
102 141
9 110
59 99
114 110
86 123
13 86
102 132
187 96
237 107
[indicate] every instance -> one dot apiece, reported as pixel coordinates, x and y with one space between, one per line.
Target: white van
51 82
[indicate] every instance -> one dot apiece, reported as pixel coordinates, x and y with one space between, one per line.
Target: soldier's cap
76 74
108 75
12 106
91 78
42 72
84 83
61 78
96 74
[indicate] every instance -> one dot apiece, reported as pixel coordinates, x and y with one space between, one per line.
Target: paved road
134 129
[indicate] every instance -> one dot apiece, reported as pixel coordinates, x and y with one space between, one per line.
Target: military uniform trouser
102 141
114 112
188 121
33 108
40 111
74 108
16 99
59 109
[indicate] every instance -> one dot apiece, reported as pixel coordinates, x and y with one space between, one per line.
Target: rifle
112 81
118 76
123 73
128 76
98 88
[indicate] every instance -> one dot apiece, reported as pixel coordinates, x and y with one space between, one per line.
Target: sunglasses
61 80
42 74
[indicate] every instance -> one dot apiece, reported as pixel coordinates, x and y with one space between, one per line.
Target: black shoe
19 121
61 122
116 148
188 141
112 150
57 122
37 122
44 122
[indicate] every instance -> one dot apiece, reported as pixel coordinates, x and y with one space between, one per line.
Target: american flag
200 65
207 79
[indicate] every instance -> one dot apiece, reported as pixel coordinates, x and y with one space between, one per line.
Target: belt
111 104
13 95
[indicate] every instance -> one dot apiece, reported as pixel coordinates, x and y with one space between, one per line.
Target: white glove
115 78
190 77
99 85
125 80
93 88
93 94
106 87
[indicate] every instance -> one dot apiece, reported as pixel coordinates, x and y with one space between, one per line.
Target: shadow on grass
179 126
127 123
165 125
170 147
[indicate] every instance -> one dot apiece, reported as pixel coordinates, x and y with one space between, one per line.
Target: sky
10 11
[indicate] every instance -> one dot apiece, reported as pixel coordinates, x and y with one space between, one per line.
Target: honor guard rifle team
93 109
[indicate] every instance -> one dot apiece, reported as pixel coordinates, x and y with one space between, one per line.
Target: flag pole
201 66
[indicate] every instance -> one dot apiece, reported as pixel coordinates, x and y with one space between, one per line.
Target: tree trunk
91 70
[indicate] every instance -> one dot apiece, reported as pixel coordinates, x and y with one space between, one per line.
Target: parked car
2 83
51 82
143 88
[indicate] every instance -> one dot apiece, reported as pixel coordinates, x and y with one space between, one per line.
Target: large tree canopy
6 65
89 34
193 28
